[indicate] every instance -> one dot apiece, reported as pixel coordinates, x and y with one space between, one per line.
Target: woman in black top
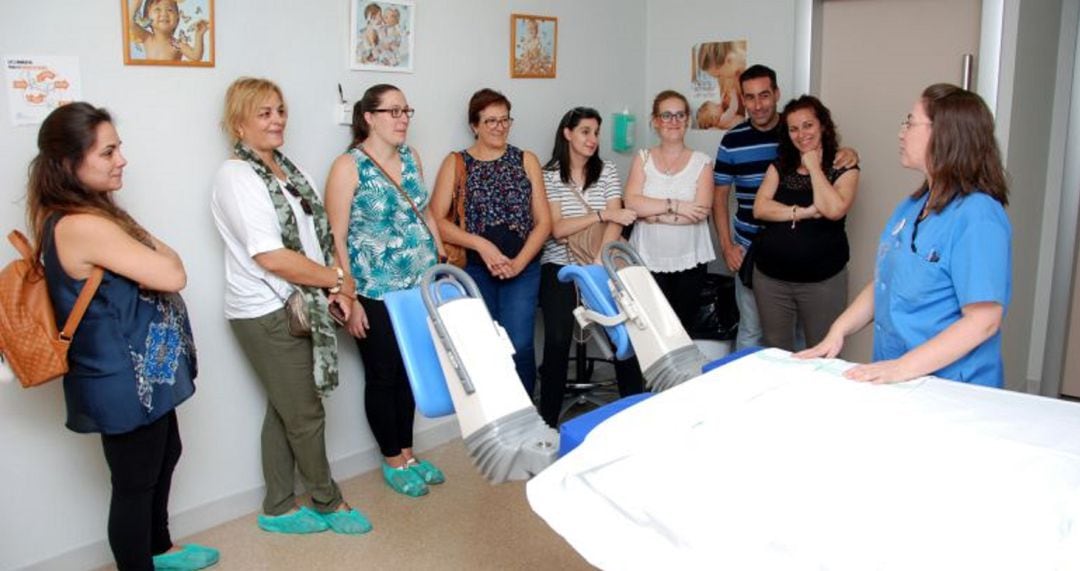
801 253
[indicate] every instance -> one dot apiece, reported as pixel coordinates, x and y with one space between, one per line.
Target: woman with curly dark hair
801 253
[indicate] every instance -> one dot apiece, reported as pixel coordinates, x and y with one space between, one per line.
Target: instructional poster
38 84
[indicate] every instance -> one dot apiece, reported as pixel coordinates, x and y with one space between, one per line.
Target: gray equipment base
515 447
676 367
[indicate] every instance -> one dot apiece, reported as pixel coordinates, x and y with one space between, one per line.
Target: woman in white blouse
671 189
582 190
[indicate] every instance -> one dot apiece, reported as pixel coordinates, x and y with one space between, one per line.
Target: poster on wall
38 84
715 95
534 43
168 32
381 35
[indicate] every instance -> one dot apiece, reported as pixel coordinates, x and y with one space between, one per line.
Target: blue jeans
513 304
749 334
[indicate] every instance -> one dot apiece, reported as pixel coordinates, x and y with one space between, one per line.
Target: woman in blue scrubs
942 282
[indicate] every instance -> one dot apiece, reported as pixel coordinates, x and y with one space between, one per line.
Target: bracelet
793 209
669 210
340 280
599 216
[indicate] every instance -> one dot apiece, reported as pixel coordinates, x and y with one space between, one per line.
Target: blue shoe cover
427 471
404 481
303 520
189 558
350 522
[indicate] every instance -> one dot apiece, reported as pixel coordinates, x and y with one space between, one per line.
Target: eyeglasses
668 116
908 123
305 205
492 122
396 112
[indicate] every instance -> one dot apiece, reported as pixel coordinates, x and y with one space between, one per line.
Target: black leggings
388 398
141 463
557 301
683 290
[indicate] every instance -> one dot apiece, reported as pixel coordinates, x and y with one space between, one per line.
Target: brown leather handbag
455 254
584 245
29 340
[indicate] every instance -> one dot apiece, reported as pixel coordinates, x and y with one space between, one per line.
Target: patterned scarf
323 338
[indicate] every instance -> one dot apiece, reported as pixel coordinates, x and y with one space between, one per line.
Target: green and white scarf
323 338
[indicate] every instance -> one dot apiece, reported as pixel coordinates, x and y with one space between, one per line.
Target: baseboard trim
208 515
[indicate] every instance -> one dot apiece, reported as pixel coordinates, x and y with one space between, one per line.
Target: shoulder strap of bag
21 244
581 197
460 185
386 175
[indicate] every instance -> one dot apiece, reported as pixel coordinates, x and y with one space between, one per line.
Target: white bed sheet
771 463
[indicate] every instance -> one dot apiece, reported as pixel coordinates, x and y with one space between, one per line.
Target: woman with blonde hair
670 187
277 242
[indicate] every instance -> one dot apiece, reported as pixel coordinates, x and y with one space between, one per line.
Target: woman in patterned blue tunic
507 221
132 359
377 204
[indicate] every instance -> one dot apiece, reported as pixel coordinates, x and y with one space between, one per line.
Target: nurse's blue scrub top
962 255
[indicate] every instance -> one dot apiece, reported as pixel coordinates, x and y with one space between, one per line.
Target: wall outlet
343 114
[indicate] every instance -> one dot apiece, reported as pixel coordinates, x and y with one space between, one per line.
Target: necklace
670 164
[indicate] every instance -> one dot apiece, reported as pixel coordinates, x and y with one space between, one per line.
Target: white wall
673 27
54 484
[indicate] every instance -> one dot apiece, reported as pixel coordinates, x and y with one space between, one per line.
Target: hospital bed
766 462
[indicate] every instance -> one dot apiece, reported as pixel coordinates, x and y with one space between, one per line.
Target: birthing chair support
452 348
623 298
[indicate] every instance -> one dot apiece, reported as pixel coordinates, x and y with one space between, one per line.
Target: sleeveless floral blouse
389 246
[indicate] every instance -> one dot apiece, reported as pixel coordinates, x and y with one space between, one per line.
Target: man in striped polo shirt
745 153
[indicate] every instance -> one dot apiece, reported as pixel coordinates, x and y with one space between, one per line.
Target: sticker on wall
381 35
38 84
715 93
168 32
534 43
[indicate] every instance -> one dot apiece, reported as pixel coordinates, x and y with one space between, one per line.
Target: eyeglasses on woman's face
397 112
908 123
668 116
494 122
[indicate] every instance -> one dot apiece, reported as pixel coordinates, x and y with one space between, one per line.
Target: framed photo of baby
168 32
534 43
715 94
381 35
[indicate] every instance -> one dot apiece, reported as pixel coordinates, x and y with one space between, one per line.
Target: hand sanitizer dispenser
622 131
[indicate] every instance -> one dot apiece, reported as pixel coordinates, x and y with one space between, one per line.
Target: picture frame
534 46
186 39
381 35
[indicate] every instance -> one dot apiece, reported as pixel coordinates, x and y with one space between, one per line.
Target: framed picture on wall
168 32
715 94
534 42
381 35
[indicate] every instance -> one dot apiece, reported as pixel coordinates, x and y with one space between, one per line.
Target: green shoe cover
427 471
404 481
189 558
350 522
303 520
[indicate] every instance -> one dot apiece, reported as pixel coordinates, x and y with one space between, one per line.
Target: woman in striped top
582 190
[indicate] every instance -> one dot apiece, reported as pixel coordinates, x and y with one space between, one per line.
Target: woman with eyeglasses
942 282
582 190
801 252
506 222
277 242
377 204
670 188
